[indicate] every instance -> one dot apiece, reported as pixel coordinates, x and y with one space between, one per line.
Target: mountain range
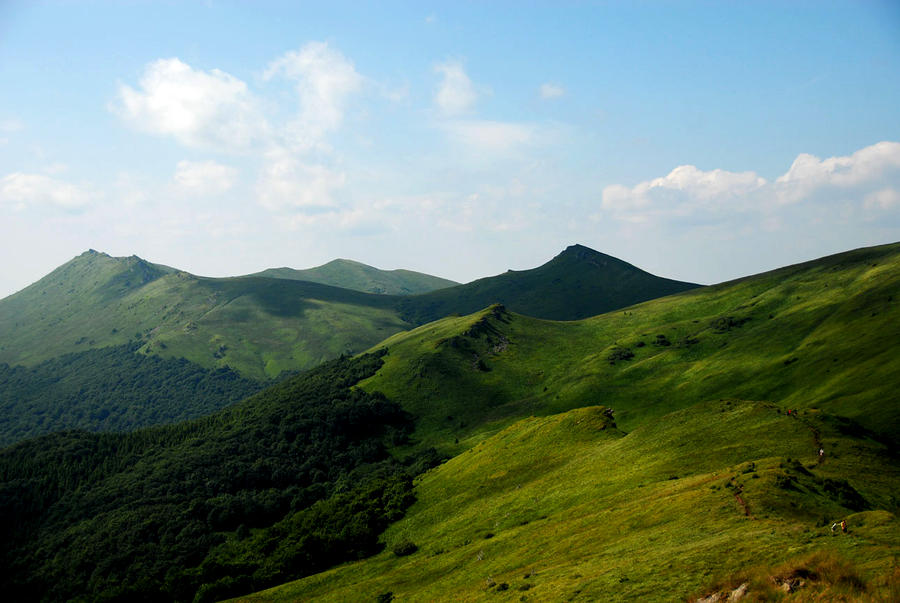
360 277
686 446
97 312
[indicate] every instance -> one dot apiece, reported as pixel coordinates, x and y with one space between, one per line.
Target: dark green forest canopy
290 481
111 389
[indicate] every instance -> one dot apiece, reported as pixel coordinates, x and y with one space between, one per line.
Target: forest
111 389
284 484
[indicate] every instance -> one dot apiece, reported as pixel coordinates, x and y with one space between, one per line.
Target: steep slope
34 321
257 326
570 508
360 277
578 283
821 334
690 479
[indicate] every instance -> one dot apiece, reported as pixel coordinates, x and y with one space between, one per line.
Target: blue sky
698 140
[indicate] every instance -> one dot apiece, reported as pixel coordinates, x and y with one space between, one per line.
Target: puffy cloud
324 80
549 90
455 94
684 187
198 108
866 166
288 183
869 178
203 177
21 190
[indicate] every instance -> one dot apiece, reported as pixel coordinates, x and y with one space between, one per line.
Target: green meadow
648 453
568 507
822 334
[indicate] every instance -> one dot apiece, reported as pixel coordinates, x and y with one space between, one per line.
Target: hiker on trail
833 527
844 526
821 453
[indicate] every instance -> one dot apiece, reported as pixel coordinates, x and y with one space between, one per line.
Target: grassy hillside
821 334
578 283
262 326
570 508
257 326
691 478
360 277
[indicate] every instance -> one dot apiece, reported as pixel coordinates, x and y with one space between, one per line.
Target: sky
701 141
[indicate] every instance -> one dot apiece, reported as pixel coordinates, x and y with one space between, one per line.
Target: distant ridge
361 277
261 326
257 326
577 283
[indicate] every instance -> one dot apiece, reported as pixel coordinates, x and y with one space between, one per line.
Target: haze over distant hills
360 277
84 322
261 326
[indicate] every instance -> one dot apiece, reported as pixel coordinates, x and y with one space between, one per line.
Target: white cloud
868 178
864 167
288 183
21 190
684 188
549 90
324 81
456 94
491 136
203 177
208 109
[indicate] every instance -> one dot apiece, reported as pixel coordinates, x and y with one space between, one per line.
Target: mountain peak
581 253
93 253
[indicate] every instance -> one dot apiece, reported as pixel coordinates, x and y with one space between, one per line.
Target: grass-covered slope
699 482
571 508
257 326
360 277
822 334
262 326
578 283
